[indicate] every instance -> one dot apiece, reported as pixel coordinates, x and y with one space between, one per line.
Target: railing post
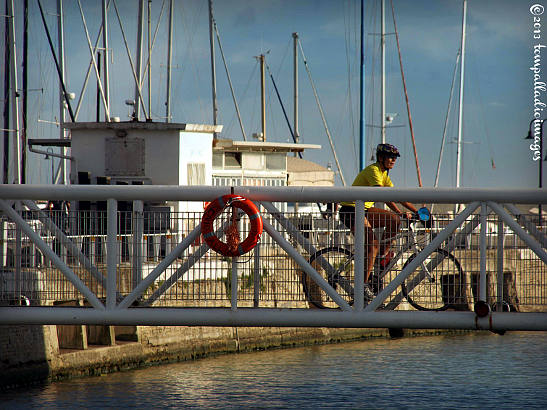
111 252
18 255
257 269
500 245
3 242
234 283
482 285
138 234
359 274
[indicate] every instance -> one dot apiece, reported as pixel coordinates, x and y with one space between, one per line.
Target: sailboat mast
263 94
6 142
25 94
459 148
295 82
362 134
213 68
149 60
383 58
106 84
139 62
14 95
61 40
169 59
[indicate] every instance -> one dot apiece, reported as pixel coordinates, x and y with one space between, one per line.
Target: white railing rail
115 309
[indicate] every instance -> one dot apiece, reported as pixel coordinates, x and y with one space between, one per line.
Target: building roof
229 145
302 172
130 125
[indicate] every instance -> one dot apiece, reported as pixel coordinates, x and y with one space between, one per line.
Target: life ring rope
215 208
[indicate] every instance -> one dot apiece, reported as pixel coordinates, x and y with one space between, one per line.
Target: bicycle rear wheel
335 264
441 287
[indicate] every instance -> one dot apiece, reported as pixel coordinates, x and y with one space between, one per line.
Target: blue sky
498 90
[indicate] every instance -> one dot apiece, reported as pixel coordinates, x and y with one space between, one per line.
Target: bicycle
437 284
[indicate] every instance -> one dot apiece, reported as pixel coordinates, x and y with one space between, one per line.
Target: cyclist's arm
407 205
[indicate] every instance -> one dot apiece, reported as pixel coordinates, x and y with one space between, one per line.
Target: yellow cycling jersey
371 176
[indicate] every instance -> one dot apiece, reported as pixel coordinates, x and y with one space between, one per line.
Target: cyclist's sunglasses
392 156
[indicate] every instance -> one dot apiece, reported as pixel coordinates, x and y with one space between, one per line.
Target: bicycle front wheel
437 287
335 264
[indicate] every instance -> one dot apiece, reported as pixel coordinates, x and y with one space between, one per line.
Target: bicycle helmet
387 150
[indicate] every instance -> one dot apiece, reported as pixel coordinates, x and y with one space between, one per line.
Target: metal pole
383 60
98 99
263 95
6 113
359 273
460 116
149 61
138 69
501 237
111 253
169 60
14 95
362 133
233 284
106 84
295 75
18 254
482 245
25 95
257 272
213 67
138 230
273 317
62 98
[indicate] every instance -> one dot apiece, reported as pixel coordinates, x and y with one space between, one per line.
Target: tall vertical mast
6 142
362 136
62 96
383 54
459 148
213 68
106 84
14 95
295 48
169 59
25 94
149 60
263 94
139 62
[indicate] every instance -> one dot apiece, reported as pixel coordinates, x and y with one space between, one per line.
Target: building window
276 162
232 159
217 160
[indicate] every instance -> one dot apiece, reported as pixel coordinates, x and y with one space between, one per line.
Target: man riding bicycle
377 174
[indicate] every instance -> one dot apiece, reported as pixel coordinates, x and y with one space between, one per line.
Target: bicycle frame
411 243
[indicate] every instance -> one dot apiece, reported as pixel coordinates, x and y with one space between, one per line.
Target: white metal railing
114 308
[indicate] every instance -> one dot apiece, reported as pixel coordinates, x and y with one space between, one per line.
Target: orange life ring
215 208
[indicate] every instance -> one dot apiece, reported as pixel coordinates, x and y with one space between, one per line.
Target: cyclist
377 174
